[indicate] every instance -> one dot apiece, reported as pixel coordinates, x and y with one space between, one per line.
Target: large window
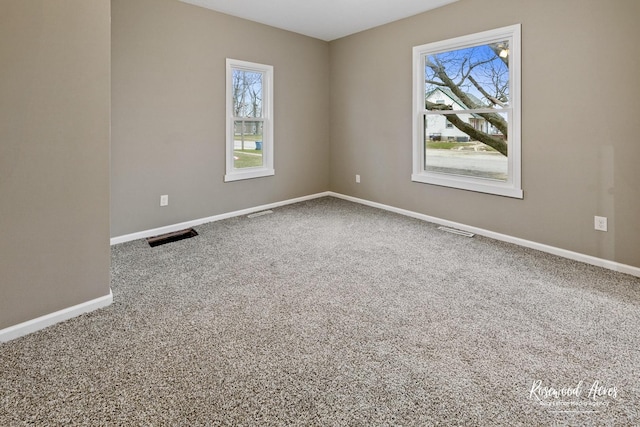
467 112
249 120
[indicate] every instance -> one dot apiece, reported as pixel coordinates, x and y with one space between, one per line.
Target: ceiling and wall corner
343 110
168 113
350 99
322 19
579 155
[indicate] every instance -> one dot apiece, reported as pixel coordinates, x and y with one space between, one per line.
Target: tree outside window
466 107
249 120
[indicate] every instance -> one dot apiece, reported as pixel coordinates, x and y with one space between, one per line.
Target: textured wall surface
54 156
168 129
579 126
341 108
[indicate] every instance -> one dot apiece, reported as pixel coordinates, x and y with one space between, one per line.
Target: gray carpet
330 313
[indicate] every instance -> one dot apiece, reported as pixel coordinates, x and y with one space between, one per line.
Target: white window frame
512 187
236 174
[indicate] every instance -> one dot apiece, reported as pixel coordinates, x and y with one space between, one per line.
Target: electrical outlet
358 179
600 223
164 200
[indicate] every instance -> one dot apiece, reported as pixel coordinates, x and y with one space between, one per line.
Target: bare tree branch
496 143
435 83
495 119
486 94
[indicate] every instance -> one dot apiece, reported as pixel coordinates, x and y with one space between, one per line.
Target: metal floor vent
171 237
454 231
253 215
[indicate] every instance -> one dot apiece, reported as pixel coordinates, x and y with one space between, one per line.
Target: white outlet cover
600 223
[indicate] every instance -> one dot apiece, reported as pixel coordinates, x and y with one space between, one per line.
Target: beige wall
168 124
581 131
580 128
54 155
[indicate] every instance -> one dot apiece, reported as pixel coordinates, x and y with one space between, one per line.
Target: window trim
513 186
236 174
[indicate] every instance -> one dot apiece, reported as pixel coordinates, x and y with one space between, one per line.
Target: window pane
473 146
247 93
471 78
247 147
466 112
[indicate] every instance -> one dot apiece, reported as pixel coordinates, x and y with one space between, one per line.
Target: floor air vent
455 231
257 214
171 237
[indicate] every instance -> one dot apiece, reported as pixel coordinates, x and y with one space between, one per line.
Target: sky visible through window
481 71
247 93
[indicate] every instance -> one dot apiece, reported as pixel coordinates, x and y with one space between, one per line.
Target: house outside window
249 128
467 94
448 124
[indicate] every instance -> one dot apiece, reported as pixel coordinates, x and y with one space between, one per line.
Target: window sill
463 183
248 174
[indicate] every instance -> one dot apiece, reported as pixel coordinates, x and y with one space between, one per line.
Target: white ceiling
323 19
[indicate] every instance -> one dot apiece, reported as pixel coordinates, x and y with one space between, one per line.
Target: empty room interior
398 213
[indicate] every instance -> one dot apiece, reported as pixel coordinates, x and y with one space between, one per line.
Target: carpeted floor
331 313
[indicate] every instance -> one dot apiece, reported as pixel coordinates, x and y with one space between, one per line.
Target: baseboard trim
188 224
42 322
576 256
33 325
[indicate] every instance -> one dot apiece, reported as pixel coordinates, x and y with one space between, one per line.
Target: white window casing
265 118
511 185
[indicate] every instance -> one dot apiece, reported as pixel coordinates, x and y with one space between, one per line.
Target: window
249 120
467 94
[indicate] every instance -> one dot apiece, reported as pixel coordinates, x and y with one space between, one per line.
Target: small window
468 89
249 120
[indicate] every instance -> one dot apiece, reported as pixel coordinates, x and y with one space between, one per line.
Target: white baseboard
576 256
181 226
42 322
